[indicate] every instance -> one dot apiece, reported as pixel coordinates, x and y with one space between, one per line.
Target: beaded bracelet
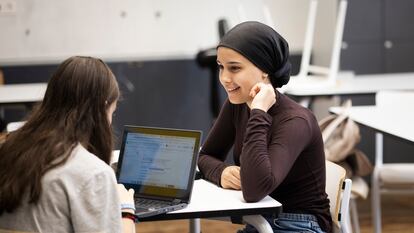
127 206
131 216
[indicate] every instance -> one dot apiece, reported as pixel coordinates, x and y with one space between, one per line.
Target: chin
236 101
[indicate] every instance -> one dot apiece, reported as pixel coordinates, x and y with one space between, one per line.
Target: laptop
159 164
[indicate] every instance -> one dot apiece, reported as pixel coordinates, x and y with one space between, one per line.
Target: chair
310 76
342 143
338 189
317 76
359 190
391 178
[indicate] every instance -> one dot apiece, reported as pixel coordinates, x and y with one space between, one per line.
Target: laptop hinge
154 198
176 201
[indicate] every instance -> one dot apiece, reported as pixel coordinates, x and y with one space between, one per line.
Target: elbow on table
252 196
258 190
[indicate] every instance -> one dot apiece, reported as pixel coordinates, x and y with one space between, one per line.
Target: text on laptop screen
157 160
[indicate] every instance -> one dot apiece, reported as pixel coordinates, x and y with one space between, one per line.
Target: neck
249 104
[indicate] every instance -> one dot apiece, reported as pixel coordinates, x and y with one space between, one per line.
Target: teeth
232 89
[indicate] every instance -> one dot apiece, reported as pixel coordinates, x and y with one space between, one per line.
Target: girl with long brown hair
54 170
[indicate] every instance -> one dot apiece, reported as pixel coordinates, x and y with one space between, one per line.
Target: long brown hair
74 110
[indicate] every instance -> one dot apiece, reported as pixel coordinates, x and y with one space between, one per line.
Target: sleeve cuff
261 114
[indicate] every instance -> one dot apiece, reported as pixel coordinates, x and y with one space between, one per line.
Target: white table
22 93
309 88
345 85
210 201
395 120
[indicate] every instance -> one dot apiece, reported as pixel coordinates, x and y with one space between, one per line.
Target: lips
232 89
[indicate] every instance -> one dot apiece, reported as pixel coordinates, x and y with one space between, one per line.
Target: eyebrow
230 63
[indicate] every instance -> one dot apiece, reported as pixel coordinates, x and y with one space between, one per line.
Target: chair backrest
338 189
330 72
307 47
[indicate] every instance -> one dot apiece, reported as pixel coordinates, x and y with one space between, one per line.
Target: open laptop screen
158 161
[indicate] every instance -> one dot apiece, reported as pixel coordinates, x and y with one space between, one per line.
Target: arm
96 208
128 226
264 165
270 162
127 197
218 143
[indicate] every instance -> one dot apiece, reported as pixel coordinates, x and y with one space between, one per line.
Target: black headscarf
263 46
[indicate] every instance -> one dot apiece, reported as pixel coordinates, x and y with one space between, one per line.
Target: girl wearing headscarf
277 144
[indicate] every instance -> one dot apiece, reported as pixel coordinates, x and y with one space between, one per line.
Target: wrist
128 207
130 216
261 108
128 211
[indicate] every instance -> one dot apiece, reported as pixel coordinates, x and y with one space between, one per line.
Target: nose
225 77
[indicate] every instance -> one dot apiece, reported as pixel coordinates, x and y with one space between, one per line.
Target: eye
234 69
220 67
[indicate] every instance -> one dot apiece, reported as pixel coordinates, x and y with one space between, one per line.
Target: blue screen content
157 160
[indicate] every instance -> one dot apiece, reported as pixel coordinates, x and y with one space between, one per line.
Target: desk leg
305 102
375 183
195 225
260 223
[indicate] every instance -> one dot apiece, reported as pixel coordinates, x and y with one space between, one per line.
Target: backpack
340 136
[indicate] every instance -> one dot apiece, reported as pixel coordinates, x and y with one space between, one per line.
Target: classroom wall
289 19
47 31
168 93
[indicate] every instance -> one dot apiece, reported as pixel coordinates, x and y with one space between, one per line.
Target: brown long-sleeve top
280 153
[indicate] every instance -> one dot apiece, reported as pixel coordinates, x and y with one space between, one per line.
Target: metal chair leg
354 216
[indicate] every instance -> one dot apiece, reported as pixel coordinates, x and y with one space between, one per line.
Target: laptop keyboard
147 203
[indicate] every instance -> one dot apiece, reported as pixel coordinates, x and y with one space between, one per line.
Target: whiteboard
48 31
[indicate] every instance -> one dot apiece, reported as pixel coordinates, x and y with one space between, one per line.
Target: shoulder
287 109
81 169
83 159
288 114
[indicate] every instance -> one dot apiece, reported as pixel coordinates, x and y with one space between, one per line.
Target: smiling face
238 75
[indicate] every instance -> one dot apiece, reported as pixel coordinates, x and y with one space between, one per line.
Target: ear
265 77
